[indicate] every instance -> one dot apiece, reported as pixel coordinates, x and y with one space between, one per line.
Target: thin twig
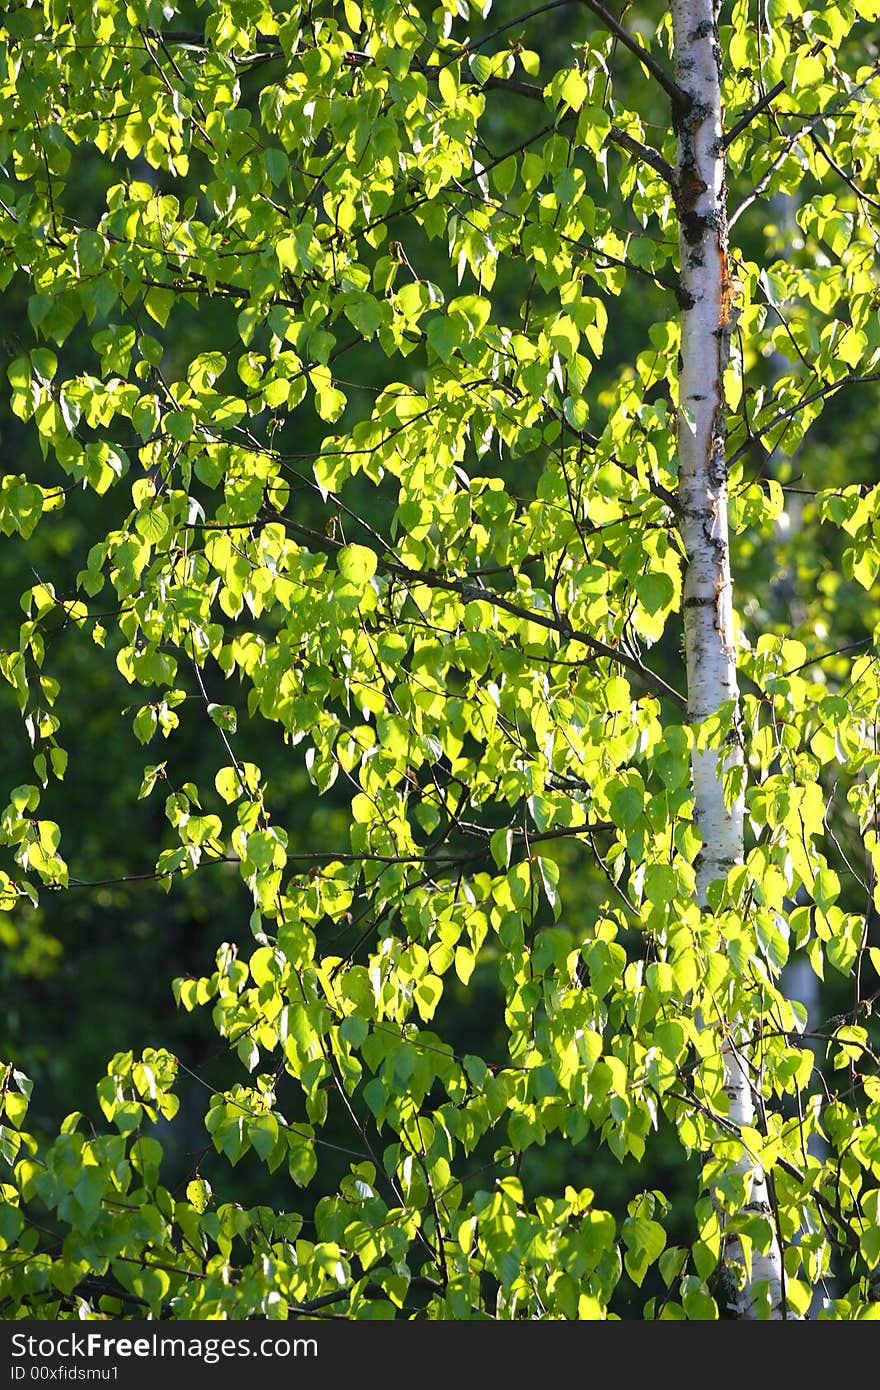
680 99
859 192
617 136
824 656
850 380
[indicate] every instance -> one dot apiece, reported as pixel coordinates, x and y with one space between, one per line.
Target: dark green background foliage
340 597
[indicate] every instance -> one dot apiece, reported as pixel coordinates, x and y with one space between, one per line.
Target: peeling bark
706 324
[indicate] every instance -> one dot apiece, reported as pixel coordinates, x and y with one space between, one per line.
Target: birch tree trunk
706 294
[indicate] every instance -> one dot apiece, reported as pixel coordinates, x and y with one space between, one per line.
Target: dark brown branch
615 135
431 579
643 152
530 89
565 631
513 85
680 99
809 121
757 435
691 1100
420 1281
748 116
190 38
656 489
439 861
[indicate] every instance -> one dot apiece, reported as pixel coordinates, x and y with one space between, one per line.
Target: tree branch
615 134
565 631
431 579
757 435
825 656
533 92
643 152
680 99
514 86
851 183
477 44
420 1281
748 116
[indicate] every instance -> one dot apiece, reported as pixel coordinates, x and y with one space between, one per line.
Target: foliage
360 387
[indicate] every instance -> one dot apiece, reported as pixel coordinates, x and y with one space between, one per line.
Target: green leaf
357 564
645 1240
225 717
198 1191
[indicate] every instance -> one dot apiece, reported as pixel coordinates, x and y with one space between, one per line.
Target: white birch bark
708 607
